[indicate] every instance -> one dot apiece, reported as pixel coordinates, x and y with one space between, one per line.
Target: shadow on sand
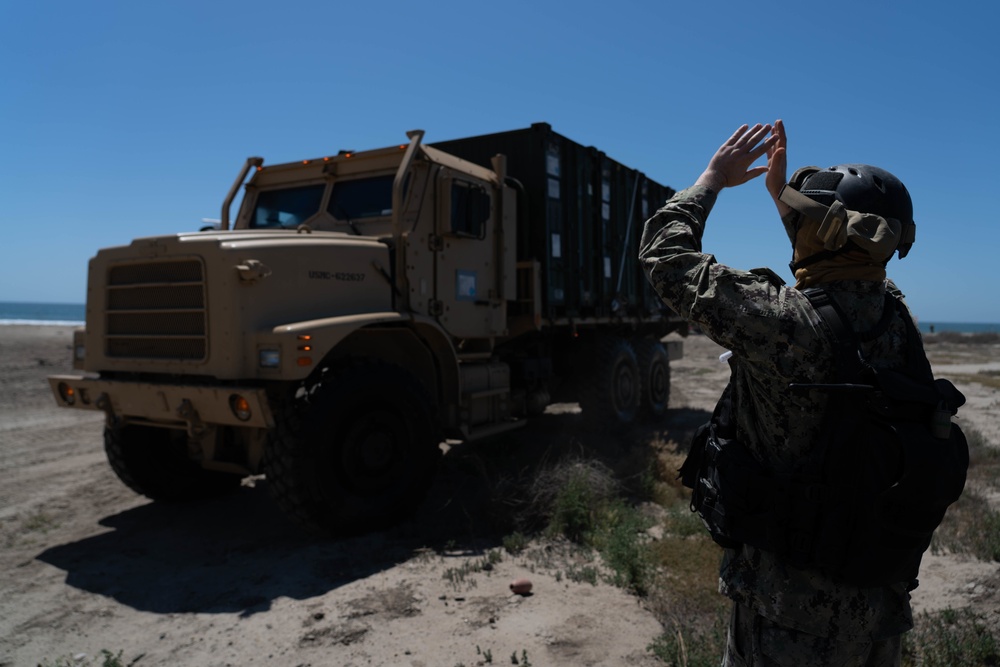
239 553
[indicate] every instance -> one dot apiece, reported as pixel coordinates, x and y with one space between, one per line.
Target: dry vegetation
554 500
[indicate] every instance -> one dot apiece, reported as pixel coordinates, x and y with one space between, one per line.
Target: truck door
467 303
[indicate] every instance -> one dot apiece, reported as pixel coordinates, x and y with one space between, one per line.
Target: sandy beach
86 565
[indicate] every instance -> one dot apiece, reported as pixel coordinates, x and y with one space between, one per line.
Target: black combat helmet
863 188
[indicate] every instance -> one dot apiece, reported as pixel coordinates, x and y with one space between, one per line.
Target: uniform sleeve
725 303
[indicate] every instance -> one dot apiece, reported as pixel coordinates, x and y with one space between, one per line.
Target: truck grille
156 310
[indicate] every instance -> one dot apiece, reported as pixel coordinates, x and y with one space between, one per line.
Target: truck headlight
269 358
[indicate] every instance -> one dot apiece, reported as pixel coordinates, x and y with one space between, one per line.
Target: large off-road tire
357 452
610 386
654 375
154 462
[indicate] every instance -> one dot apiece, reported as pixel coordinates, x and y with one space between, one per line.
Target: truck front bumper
167 404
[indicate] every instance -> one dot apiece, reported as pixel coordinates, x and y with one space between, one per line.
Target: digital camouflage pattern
776 338
755 641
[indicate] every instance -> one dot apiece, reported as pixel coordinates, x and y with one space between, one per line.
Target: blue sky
127 119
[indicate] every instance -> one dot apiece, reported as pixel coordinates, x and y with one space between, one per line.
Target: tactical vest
889 463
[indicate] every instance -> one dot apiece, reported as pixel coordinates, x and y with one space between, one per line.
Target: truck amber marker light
67 393
240 407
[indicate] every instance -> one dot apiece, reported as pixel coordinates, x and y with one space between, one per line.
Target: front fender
293 351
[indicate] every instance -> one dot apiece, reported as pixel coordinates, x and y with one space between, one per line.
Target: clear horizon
125 120
920 322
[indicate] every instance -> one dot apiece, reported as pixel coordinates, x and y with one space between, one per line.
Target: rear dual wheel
654 374
624 381
610 389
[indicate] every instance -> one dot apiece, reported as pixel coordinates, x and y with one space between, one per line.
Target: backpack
864 505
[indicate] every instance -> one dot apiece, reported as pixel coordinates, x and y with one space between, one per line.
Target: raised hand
777 166
731 164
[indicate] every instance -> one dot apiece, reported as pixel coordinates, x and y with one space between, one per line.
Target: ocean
959 327
74 313
42 313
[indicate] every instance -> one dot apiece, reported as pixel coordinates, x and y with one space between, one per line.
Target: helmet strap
831 217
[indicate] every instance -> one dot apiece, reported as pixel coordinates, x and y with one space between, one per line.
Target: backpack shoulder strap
845 341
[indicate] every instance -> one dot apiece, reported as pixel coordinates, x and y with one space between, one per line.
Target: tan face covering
850 265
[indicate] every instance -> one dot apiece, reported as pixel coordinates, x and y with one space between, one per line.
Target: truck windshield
361 198
289 207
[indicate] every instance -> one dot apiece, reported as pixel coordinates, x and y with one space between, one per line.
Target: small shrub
40 521
618 540
950 638
682 522
970 526
981 454
572 511
458 576
684 647
515 543
572 493
586 574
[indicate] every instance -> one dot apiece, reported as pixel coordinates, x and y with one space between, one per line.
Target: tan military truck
363 308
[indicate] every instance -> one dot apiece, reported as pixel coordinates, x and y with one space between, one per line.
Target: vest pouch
731 490
897 495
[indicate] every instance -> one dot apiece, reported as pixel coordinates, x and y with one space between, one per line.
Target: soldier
785 614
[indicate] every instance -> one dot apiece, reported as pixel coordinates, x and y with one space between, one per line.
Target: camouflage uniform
776 339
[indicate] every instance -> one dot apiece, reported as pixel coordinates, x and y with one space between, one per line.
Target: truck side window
288 207
470 209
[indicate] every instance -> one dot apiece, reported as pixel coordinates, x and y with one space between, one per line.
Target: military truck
366 307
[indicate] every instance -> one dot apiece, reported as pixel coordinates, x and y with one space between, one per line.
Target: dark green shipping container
580 217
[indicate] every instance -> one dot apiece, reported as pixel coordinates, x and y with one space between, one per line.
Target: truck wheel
357 453
654 372
609 393
154 462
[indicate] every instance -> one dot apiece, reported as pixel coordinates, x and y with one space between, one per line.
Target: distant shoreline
963 328
958 327
41 323
73 314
